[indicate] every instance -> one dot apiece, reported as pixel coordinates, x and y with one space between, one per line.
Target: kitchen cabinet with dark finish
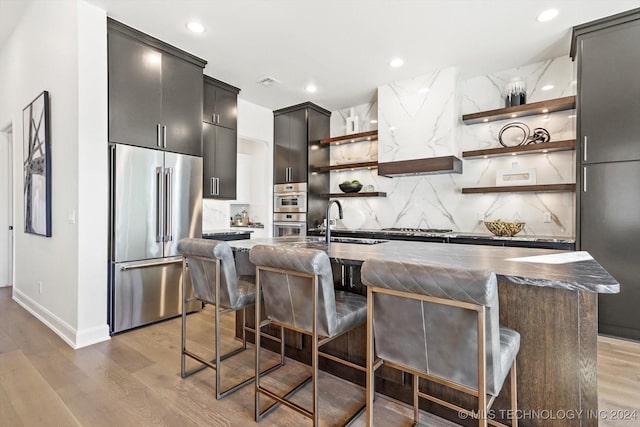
291 146
608 101
219 152
155 92
220 103
608 164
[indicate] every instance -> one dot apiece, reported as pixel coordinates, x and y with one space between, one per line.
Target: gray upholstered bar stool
440 324
212 270
298 293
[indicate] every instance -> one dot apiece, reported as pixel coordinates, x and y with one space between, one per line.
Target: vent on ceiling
268 81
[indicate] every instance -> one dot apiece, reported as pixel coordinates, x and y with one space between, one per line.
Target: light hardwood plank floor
134 379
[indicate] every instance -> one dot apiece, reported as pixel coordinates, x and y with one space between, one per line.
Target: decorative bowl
504 228
350 188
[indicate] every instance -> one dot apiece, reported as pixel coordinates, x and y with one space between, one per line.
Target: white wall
5 206
46 52
93 175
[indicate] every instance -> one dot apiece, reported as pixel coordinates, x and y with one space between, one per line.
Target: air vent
268 81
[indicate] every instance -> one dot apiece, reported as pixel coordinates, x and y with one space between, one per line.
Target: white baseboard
75 339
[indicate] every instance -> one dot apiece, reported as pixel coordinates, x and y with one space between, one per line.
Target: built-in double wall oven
290 209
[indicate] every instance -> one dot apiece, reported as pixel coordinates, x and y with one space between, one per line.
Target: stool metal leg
514 395
257 343
370 371
314 350
183 362
416 408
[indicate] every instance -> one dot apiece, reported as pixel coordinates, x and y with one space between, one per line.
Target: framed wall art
37 166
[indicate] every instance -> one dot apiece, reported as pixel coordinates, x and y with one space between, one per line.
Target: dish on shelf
504 228
350 187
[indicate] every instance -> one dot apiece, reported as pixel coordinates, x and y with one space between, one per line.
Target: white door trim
7 147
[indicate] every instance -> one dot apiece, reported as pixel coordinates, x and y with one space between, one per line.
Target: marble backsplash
436 201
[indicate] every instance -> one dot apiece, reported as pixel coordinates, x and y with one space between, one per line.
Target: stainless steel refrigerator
155 200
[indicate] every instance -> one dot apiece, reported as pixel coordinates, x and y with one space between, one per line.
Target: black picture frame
37 166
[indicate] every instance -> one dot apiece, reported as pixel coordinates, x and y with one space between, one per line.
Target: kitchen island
552 306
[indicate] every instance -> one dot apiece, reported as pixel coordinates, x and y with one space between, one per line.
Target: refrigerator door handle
159 205
168 225
148 264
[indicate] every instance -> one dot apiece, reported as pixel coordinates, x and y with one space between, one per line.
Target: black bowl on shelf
350 188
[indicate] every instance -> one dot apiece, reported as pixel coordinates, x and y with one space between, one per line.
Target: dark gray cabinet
219 139
608 167
298 154
220 104
155 92
291 142
609 104
610 232
219 156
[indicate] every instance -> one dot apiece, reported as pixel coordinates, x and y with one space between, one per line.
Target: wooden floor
134 379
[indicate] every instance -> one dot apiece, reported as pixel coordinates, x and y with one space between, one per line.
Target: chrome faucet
328 233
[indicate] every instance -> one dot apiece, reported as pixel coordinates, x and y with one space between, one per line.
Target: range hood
425 166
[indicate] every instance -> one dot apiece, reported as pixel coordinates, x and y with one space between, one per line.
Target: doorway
6 206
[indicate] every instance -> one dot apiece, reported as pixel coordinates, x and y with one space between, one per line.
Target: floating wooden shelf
354 137
344 166
542 107
426 166
369 194
546 147
520 188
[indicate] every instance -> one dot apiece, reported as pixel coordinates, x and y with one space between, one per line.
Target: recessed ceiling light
547 15
195 27
547 87
423 90
311 88
373 121
396 62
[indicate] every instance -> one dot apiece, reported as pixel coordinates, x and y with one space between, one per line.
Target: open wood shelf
354 137
520 188
542 107
358 165
545 147
369 194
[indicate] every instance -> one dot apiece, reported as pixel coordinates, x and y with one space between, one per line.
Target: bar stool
212 270
440 324
297 287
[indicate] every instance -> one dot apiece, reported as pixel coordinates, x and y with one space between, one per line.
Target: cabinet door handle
158 132
218 119
584 179
212 187
217 186
213 118
585 149
164 136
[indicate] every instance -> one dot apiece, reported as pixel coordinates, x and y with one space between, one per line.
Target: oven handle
290 224
297 193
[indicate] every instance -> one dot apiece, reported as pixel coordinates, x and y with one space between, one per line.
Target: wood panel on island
535 108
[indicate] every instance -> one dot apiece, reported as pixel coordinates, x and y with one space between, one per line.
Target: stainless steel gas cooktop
430 231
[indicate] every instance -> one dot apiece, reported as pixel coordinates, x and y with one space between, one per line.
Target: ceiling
344 46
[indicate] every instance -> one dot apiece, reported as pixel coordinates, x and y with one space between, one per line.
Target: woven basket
503 228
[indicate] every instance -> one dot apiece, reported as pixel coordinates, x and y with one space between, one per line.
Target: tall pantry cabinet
608 214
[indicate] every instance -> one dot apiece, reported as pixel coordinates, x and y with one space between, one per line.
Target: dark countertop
545 242
224 232
583 275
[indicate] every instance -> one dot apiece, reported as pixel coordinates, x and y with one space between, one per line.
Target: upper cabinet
219 139
608 105
294 129
155 92
220 103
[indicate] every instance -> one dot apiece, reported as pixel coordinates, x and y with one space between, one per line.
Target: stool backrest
201 255
287 295
434 338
